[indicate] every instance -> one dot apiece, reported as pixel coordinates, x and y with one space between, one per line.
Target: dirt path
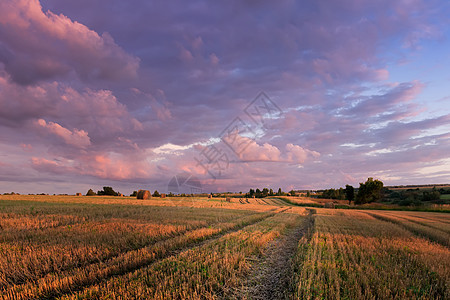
271 275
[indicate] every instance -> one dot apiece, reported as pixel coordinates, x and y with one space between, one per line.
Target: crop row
54 284
350 257
210 270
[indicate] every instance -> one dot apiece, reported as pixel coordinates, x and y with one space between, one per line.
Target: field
66 247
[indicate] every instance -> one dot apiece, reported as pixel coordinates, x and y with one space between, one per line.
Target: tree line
374 191
265 192
368 192
109 191
416 196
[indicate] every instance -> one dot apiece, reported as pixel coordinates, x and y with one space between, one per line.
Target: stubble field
65 247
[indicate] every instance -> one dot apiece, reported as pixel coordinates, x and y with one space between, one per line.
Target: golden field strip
67 247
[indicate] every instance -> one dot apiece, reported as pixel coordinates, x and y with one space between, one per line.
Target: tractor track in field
423 224
106 258
271 275
221 234
431 219
84 284
417 232
176 252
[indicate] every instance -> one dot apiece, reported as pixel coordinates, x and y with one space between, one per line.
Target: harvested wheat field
63 247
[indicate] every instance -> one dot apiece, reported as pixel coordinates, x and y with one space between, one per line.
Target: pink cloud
116 167
98 110
95 111
49 166
106 165
197 43
77 138
157 103
185 55
26 147
214 59
293 154
381 74
267 152
68 46
299 154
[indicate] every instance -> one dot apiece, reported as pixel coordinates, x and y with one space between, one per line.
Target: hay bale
228 199
120 195
209 196
163 195
78 194
329 205
143 194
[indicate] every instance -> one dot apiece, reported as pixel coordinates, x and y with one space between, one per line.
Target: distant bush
430 196
338 194
414 197
443 191
91 193
107 191
410 201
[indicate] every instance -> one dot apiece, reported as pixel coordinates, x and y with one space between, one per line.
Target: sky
234 94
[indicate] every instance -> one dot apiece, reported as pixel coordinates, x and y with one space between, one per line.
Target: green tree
431 196
333 194
279 193
265 192
370 191
107 191
134 194
90 193
292 192
156 194
361 196
349 193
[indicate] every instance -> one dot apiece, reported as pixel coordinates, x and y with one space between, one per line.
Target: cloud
185 55
45 165
255 152
36 46
103 165
298 154
385 102
95 111
214 59
252 151
77 138
326 64
157 103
